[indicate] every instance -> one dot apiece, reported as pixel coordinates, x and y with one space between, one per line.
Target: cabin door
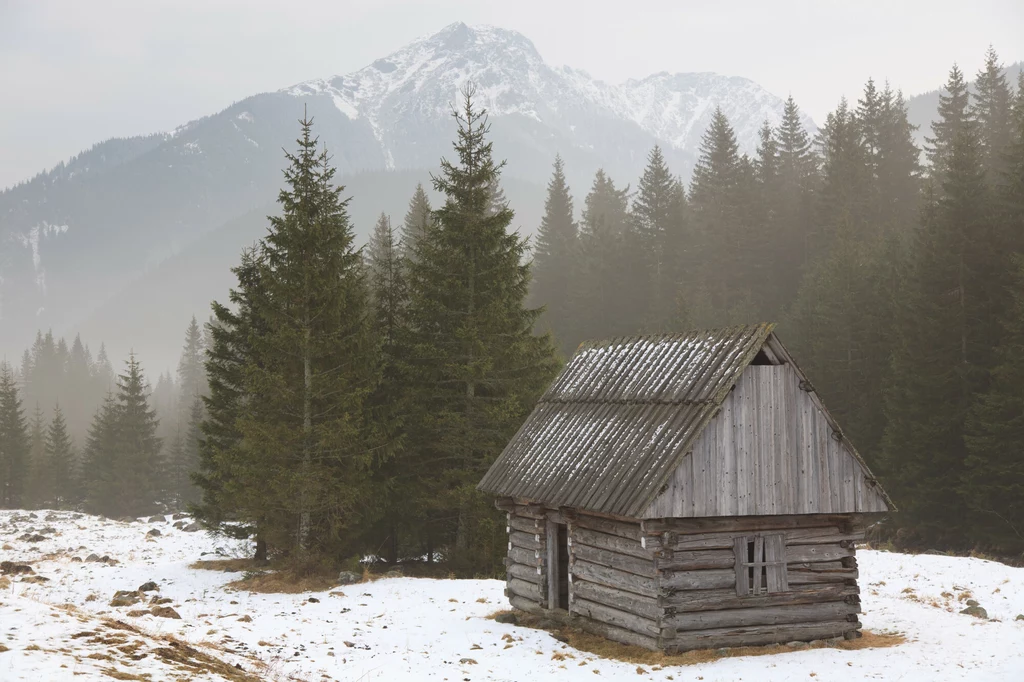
558 565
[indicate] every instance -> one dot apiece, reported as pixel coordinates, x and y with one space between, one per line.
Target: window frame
760 563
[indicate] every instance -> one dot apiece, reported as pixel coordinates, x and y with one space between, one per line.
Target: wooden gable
771 449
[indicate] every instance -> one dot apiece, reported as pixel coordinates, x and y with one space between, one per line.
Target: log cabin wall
525 566
695 561
614 580
671 584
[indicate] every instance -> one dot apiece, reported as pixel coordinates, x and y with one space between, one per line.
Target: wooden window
760 564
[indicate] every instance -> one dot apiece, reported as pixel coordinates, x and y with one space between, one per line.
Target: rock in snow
411 629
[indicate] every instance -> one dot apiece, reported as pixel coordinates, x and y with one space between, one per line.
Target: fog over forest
417 251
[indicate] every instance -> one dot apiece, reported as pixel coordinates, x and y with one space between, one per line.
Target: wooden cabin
686 491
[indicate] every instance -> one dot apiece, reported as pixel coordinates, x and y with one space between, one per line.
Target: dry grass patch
183 656
605 648
286 581
229 565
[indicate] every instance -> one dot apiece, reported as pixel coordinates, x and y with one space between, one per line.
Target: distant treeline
107 443
353 398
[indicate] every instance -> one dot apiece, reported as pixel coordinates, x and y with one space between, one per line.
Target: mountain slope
83 236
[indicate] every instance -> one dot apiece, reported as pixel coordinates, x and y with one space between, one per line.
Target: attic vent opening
762 359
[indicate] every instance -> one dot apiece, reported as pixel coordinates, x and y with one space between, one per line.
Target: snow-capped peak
418 83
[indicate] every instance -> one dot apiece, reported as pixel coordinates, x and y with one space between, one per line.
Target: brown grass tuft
4 582
285 582
228 565
605 648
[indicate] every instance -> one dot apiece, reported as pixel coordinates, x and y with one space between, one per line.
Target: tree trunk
393 547
307 432
261 549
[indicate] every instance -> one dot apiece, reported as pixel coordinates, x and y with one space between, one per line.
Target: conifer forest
344 399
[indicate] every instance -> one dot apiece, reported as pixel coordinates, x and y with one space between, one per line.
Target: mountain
93 244
923 109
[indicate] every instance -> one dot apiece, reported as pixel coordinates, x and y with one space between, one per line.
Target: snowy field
64 628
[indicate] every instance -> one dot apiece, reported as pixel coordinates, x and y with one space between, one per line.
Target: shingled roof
619 418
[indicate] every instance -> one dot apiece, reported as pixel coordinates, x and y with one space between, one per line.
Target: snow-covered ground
417 629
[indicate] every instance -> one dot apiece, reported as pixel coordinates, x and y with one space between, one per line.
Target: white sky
75 72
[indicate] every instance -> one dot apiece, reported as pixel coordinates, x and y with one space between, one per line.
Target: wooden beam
759 635
614 578
612 616
726 598
630 602
622 562
761 615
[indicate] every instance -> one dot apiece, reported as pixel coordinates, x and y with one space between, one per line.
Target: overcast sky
75 72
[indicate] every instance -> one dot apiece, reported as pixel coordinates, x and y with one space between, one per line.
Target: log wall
525 567
670 584
695 566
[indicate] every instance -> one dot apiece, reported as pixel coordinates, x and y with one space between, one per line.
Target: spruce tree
656 223
60 459
601 298
993 477
417 221
797 179
37 486
554 260
720 194
948 325
191 374
100 460
138 483
991 108
312 367
476 367
14 443
953 114
388 405
232 489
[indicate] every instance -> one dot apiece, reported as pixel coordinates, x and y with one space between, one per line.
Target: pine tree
100 461
185 458
657 212
897 168
37 486
104 371
601 300
797 168
231 488
944 349
80 398
992 110
554 260
388 405
191 374
14 443
720 195
994 434
312 366
60 459
953 114
138 476
476 366
417 220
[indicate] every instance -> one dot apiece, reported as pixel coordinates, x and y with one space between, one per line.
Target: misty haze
536 342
